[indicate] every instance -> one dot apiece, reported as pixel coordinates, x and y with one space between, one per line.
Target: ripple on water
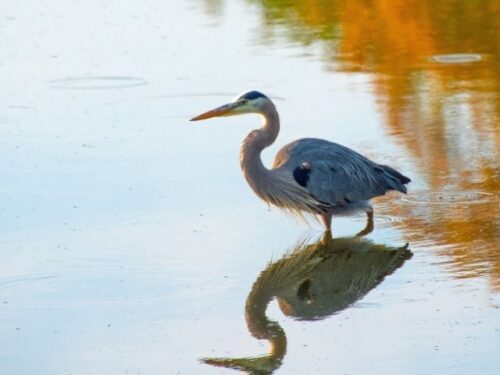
456 58
83 288
225 96
390 219
448 197
97 83
380 218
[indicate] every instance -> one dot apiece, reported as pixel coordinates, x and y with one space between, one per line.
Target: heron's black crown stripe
253 95
301 175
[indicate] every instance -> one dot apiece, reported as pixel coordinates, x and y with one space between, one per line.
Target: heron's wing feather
338 175
340 184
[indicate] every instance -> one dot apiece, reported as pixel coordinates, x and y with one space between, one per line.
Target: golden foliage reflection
445 113
435 73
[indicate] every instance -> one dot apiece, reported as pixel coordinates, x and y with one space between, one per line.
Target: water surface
131 243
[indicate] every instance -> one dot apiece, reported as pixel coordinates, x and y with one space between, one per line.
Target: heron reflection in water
310 283
309 176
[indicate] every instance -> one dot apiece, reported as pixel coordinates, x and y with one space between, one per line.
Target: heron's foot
369 225
327 237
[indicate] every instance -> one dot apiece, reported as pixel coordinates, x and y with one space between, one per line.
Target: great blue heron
309 176
311 282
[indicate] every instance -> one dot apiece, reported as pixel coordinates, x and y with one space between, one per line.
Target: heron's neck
258 324
255 142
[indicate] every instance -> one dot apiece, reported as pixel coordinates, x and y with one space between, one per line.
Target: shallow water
131 243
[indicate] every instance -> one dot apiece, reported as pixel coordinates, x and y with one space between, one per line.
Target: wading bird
311 282
309 176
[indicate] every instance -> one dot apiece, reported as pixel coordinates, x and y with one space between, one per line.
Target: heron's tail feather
395 180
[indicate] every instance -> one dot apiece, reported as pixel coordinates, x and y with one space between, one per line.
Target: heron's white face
250 102
244 105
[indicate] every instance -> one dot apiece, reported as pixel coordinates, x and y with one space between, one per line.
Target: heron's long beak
223 110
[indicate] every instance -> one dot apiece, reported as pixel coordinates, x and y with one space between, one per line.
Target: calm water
132 245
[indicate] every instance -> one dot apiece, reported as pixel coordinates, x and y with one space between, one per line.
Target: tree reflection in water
443 110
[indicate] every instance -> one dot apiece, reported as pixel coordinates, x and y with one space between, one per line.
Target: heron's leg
369 225
327 237
326 219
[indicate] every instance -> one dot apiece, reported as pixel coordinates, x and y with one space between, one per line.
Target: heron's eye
244 101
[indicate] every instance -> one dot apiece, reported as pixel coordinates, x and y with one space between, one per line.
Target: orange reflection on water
446 114
435 72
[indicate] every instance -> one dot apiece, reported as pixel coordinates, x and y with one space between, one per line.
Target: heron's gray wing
335 174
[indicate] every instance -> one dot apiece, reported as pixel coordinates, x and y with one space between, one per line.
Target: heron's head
248 102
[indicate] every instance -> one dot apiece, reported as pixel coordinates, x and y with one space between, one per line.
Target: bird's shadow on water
311 282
